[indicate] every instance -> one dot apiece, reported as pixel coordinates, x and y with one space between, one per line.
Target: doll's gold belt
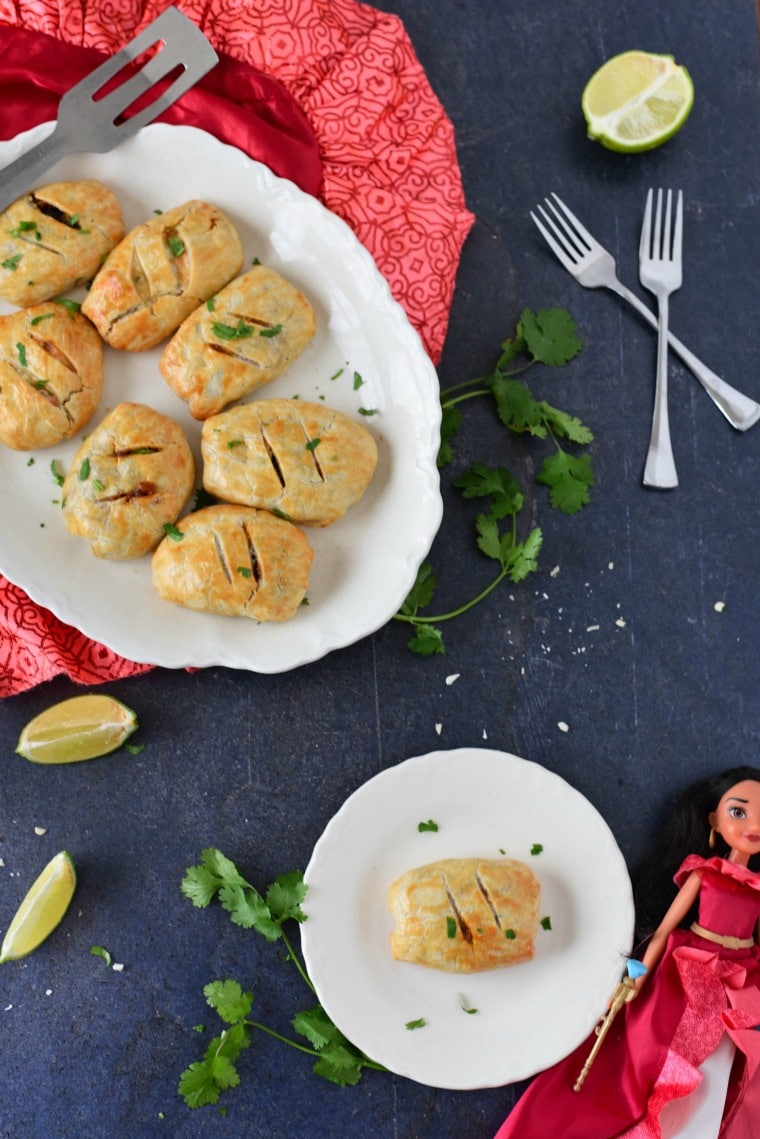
724 939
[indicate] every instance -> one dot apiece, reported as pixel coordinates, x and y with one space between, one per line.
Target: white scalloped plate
486 804
365 564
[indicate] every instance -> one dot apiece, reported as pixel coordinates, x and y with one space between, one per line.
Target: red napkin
299 81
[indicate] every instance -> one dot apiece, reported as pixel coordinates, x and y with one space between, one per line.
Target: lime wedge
42 909
637 100
80 728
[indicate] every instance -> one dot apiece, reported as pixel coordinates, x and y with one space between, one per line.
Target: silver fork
594 267
661 271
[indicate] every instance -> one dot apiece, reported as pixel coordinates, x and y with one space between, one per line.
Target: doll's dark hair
686 832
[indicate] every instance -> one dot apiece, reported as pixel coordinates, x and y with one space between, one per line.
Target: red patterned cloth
388 168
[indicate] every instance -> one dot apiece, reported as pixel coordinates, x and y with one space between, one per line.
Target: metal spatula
91 118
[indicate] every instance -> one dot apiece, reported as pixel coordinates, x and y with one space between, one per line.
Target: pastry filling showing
464 929
253 557
55 212
489 901
144 489
273 459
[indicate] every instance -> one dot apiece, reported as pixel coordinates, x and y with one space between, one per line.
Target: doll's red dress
651 1056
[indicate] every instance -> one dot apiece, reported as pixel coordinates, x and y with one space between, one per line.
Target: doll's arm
677 911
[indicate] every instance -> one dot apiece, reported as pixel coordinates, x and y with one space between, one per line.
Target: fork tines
656 243
562 231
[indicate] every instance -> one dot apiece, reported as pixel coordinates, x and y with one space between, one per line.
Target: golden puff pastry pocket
304 460
56 237
245 336
130 479
160 272
51 375
235 561
464 915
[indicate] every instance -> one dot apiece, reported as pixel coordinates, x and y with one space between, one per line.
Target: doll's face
737 819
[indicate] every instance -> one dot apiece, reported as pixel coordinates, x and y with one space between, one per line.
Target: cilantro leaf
421 593
202 882
566 426
285 895
569 478
339 1065
427 641
248 909
516 407
451 417
482 481
228 1000
550 335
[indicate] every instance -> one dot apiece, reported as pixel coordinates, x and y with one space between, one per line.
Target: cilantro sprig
546 337
336 1059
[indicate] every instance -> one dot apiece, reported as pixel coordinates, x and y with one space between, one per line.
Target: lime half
42 909
637 100
80 728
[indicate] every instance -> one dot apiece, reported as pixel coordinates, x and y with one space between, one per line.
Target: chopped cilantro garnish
368 411
99 951
21 350
176 245
510 934
313 443
451 927
41 317
244 571
536 848
546 922
420 1022
84 470
339 372
173 532
11 262
240 331
232 443
72 306
211 304
358 381
430 825
275 330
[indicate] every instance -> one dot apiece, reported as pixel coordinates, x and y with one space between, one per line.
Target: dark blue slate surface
258 764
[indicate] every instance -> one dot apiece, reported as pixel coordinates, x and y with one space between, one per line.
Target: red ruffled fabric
328 93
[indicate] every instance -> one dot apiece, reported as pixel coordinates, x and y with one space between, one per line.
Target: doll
680 1059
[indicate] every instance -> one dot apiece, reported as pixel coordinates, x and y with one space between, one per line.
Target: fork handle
660 468
740 411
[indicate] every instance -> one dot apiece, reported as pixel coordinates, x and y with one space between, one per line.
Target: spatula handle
22 174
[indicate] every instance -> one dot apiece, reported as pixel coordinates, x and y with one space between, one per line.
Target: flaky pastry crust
160 272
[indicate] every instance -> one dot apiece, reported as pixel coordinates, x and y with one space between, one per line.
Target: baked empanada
51 375
245 336
235 561
129 479
56 237
464 915
307 461
160 272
